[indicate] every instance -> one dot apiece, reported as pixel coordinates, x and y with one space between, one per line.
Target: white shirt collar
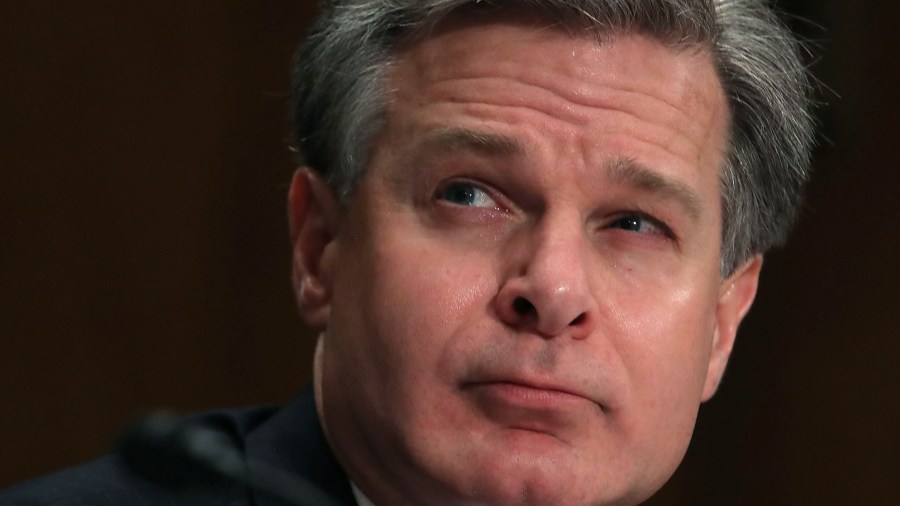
361 499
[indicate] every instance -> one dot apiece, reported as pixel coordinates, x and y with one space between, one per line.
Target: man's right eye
466 194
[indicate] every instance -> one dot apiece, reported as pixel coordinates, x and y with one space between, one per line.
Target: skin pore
521 304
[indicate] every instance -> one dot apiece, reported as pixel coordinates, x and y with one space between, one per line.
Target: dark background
144 257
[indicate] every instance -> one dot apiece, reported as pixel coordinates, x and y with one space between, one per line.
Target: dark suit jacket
290 439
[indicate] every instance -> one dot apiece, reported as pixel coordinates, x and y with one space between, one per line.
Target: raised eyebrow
635 174
462 139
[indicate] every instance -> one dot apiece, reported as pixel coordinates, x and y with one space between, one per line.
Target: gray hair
339 96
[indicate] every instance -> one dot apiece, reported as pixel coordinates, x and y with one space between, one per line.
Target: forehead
517 68
459 38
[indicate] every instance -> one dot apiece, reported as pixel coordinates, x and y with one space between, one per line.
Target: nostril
578 320
523 306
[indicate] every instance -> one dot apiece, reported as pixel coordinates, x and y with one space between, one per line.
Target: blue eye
631 223
637 223
466 194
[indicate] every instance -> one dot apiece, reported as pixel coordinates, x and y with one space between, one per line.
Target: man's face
522 303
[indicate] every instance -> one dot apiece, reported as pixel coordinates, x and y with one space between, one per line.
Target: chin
511 478
496 490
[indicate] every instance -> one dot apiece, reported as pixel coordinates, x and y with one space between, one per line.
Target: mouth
529 393
529 405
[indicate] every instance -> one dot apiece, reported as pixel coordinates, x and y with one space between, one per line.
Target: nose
548 291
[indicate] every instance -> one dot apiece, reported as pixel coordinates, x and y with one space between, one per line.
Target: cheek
409 302
662 320
664 340
422 292
662 327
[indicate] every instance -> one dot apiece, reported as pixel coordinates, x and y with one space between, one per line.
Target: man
528 232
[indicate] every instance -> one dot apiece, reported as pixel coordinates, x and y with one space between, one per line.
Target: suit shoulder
107 481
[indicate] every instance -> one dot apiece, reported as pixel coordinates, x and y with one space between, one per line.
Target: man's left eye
638 223
466 194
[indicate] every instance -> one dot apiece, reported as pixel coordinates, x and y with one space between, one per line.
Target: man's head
540 230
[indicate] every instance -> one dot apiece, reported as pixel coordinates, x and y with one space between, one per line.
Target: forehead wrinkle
573 111
633 173
574 104
570 99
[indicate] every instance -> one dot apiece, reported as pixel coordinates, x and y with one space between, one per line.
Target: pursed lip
542 407
531 391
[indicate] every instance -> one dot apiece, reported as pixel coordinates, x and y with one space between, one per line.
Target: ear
313 216
736 294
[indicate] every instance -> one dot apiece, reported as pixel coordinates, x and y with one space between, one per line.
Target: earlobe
736 295
313 216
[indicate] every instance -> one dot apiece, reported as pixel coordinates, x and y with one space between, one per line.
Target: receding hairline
574 21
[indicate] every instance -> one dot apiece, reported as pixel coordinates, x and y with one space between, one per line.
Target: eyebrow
623 170
455 139
633 173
